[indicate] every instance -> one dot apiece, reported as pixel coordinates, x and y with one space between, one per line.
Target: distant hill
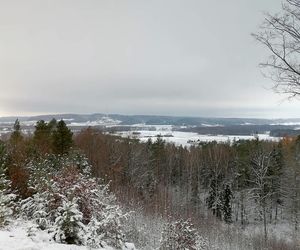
155 120
200 125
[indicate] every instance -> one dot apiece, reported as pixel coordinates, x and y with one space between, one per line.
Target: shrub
178 235
68 202
68 226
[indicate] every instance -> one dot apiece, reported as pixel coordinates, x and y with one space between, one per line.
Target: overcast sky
166 57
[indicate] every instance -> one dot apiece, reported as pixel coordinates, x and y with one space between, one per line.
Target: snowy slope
15 237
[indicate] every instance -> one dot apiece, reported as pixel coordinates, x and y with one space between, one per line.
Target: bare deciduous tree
261 192
280 34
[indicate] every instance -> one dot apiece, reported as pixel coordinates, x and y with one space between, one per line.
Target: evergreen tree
41 130
226 206
42 136
276 186
93 239
16 135
68 201
242 175
5 196
5 203
3 166
68 224
62 138
214 201
52 124
36 208
291 180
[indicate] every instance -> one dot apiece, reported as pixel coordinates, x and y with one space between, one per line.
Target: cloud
190 57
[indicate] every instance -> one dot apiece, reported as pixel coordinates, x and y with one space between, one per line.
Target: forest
91 188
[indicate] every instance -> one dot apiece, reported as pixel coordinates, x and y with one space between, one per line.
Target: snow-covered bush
107 231
68 226
37 209
44 168
6 197
94 238
98 207
68 201
108 225
144 229
5 207
181 234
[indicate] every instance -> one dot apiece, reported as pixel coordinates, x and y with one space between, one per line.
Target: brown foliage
70 182
19 151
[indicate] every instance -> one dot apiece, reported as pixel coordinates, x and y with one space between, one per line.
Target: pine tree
65 193
5 207
52 124
93 238
36 208
42 136
291 180
226 206
3 166
5 196
41 128
16 135
68 226
62 138
214 201
276 186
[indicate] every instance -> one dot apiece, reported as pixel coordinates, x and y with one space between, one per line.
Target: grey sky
176 57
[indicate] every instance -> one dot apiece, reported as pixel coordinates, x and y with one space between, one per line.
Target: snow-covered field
143 132
187 138
105 121
18 236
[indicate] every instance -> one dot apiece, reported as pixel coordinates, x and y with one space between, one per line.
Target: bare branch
280 34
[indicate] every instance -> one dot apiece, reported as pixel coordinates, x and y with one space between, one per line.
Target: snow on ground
280 231
187 138
28 123
211 125
15 237
144 132
286 123
104 121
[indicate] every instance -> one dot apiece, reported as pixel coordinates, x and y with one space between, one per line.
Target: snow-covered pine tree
36 208
5 206
60 181
68 226
94 238
5 196
110 225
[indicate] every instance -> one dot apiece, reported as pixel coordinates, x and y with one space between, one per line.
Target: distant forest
200 125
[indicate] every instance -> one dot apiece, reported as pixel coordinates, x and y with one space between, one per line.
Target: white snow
104 121
211 125
15 237
286 123
187 138
28 123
